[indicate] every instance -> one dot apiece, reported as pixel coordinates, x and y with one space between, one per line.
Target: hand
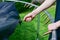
51 27
29 17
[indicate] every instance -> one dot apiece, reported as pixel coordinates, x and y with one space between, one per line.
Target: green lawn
27 30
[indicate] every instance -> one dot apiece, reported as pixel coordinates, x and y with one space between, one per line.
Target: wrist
58 24
34 13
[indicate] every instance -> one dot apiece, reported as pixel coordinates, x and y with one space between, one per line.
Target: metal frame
38 24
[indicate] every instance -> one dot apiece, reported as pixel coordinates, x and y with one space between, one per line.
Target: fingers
28 18
30 6
27 6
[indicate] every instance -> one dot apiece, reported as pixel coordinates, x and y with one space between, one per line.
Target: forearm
45 5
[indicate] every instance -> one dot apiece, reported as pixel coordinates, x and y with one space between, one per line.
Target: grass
27 30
